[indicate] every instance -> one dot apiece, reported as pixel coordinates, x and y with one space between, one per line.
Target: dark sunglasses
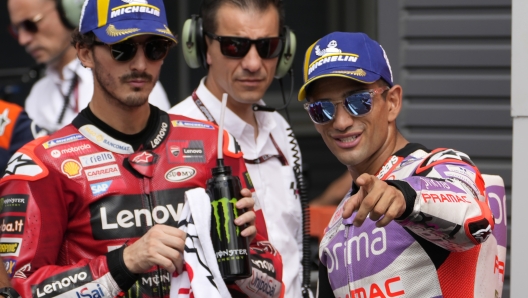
238 47
155 49
357 104
30 25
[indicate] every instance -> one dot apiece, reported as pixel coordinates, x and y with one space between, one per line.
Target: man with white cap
94 208
416 222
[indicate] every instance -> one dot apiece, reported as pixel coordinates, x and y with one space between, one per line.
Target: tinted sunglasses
155 49
238 47
357 104
29 25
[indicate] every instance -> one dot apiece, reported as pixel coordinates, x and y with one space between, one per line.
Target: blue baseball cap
348 55
113 21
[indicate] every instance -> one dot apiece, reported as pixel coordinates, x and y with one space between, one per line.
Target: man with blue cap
416 222
93 210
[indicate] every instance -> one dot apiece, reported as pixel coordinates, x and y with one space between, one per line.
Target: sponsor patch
9 265
75 149
100 188
13 203
179 174
20 272
125 216
247 179
102 172
145 158
55 153
97 159
158 139
10 246
22 164
189 151
191 124
91 290
134 7
64 282
12 225
64 140
97 136
71 168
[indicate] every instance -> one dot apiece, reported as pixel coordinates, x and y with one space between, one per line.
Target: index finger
366 181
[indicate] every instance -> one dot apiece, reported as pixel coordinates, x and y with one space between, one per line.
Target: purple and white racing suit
447 243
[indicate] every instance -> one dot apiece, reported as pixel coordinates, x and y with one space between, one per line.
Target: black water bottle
231 248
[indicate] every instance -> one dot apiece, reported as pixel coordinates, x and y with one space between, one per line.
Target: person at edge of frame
93 209
243 45
416 222
16 129
44 28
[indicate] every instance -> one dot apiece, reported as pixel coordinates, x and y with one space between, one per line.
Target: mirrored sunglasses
357 104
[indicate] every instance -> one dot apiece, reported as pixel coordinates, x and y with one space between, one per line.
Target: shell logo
71 168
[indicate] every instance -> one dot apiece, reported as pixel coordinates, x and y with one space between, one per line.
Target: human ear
394 101
85 56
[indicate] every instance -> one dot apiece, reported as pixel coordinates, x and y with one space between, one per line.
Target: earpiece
287 54
194 47
70 12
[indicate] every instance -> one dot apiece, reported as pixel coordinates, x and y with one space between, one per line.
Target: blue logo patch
9 265
100 188
63 140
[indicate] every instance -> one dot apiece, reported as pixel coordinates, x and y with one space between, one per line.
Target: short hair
210 8
84 40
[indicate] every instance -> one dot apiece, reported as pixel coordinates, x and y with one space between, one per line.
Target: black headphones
70 12
194 46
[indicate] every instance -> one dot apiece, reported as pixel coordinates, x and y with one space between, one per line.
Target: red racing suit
73 200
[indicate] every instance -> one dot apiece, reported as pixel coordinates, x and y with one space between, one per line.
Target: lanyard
258 160
66 97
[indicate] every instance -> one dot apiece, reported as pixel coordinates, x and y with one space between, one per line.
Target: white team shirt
273 182
45 101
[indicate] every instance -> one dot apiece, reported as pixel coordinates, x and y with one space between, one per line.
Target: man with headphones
43 28
244 45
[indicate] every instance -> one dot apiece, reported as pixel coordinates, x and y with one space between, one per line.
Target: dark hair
84 40
209 9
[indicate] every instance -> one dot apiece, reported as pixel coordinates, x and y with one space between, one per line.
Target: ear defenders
70 12
195 48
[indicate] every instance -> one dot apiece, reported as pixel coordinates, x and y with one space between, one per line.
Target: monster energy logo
225 207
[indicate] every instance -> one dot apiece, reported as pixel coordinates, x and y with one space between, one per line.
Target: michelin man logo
330 49
135 1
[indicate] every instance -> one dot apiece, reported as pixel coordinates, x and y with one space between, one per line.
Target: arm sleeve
38 209
446 202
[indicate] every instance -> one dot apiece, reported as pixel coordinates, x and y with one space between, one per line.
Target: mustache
135 75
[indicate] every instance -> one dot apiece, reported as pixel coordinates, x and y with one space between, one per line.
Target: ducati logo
175 150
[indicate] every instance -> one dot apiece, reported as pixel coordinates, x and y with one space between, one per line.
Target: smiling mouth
348 139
